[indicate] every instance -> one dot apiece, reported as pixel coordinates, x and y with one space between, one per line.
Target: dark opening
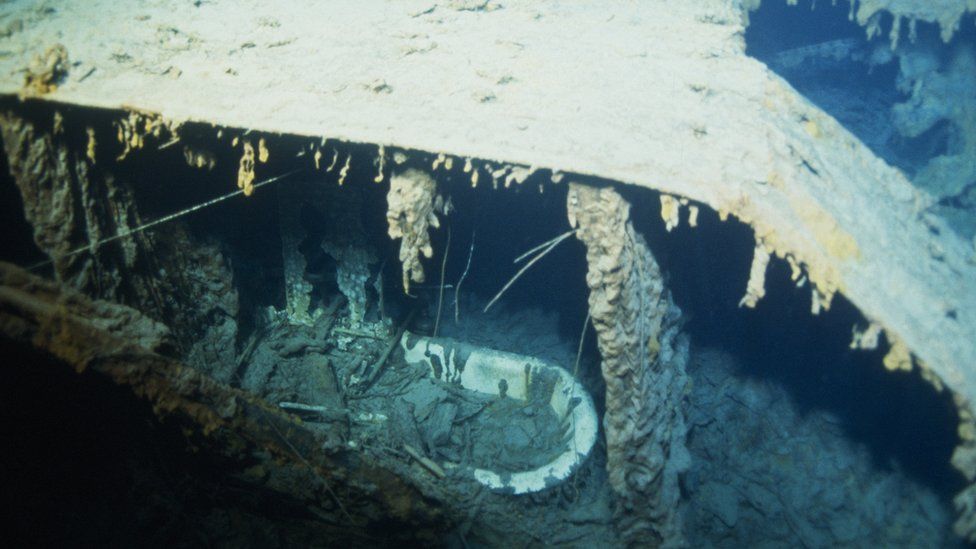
899 417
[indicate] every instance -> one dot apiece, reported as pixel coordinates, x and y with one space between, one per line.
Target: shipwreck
485 273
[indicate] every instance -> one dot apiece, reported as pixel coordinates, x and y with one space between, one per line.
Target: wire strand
165 219
549 246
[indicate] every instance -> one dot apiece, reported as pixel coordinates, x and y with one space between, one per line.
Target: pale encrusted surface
945 13
643 362
964 459
756 288
412 203
941 91
658 94
352 272
340 210
46 70
298 290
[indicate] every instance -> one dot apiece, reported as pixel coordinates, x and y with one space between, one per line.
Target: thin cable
572 393
440 297
457 287
166 218
543 245
549 246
